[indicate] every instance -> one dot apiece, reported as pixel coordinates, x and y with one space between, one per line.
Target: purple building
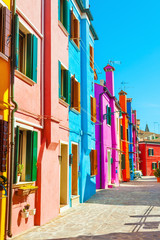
105 129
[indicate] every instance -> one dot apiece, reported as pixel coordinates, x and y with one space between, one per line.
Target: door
64 175
109 167
75 169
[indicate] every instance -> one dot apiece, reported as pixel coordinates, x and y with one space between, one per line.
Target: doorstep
74 200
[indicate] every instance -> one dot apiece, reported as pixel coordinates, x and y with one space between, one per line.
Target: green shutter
111 160
34 159
59 70
66 15
67 86
130 162
121 132
29 155
35 57
109 116
15 170
152 152
59 10
29 64
16 39
123 161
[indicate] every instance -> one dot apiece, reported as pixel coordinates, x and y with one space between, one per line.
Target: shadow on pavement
118 236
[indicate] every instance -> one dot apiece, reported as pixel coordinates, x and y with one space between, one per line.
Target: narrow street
131 211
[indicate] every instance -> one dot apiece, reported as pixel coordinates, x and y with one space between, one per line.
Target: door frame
109 151
75 143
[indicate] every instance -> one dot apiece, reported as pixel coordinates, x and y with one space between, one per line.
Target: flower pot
18 178
32 211
25 214
158 179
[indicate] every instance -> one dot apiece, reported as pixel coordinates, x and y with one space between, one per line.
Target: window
75 30
150 152
158 164
127 135
63 13
108 113
25 154
75 94
121 132
93 109
5 31
91 57
123 161
154 165
64 84
26 48
93 158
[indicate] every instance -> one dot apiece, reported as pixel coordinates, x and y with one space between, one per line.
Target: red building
149 156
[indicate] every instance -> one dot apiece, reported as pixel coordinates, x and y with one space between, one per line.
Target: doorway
75 170
64 175
109 167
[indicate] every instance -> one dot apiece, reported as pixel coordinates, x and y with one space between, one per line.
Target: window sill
24 78
22 184
63 28
62 102
3 56
74 45
75 111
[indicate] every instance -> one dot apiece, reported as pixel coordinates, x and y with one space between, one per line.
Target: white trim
3 56
24 78
27 123
76 7
29 22
84 16
23 126
66 68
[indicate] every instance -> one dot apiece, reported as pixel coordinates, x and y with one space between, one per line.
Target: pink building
41 121
106 132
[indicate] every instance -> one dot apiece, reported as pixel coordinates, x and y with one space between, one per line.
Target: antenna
114 62
124 85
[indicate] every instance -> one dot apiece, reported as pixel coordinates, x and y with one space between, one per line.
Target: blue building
130 137
81 125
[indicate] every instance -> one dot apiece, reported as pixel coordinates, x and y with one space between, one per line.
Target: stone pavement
131 211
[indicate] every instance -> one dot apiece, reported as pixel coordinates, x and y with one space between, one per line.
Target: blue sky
129 31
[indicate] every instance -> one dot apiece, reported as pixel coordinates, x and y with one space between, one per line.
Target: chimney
110 78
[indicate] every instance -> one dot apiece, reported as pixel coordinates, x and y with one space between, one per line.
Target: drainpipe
12 122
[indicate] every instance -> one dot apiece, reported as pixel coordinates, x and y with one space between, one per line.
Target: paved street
131 211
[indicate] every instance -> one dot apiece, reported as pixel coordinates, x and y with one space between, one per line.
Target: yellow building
4 105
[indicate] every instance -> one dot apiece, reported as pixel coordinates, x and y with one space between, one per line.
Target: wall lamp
106 115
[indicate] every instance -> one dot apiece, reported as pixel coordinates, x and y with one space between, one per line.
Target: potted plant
24 213
157 174
32 211
20 169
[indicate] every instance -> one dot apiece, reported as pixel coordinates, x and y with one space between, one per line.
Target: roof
93 32
109 68
122 93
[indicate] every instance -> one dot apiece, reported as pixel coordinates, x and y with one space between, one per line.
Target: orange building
124 137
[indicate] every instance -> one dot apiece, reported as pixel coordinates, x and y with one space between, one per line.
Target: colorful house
5 53
81 135
106 132
135 140
130 137
149 156
124 137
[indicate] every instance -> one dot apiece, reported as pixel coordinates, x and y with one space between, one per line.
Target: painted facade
106 132
130 137
4 116
124 137
149 156
135 140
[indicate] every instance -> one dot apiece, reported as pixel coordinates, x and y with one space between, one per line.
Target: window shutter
59 70
6 31
91 57
76 100
34 158
94 110
93 158
29 154
72 25
35 58
91 109
121 132
16 52
107 114
72 91
67 86
66 15
15 172
76 32
79 97
59 10
149 152
29 64
152 152
123 161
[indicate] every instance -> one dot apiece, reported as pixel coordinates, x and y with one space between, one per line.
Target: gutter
9 232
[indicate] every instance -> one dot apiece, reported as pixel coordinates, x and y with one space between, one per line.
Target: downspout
12 121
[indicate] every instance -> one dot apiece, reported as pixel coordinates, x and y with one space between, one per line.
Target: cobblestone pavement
131 211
